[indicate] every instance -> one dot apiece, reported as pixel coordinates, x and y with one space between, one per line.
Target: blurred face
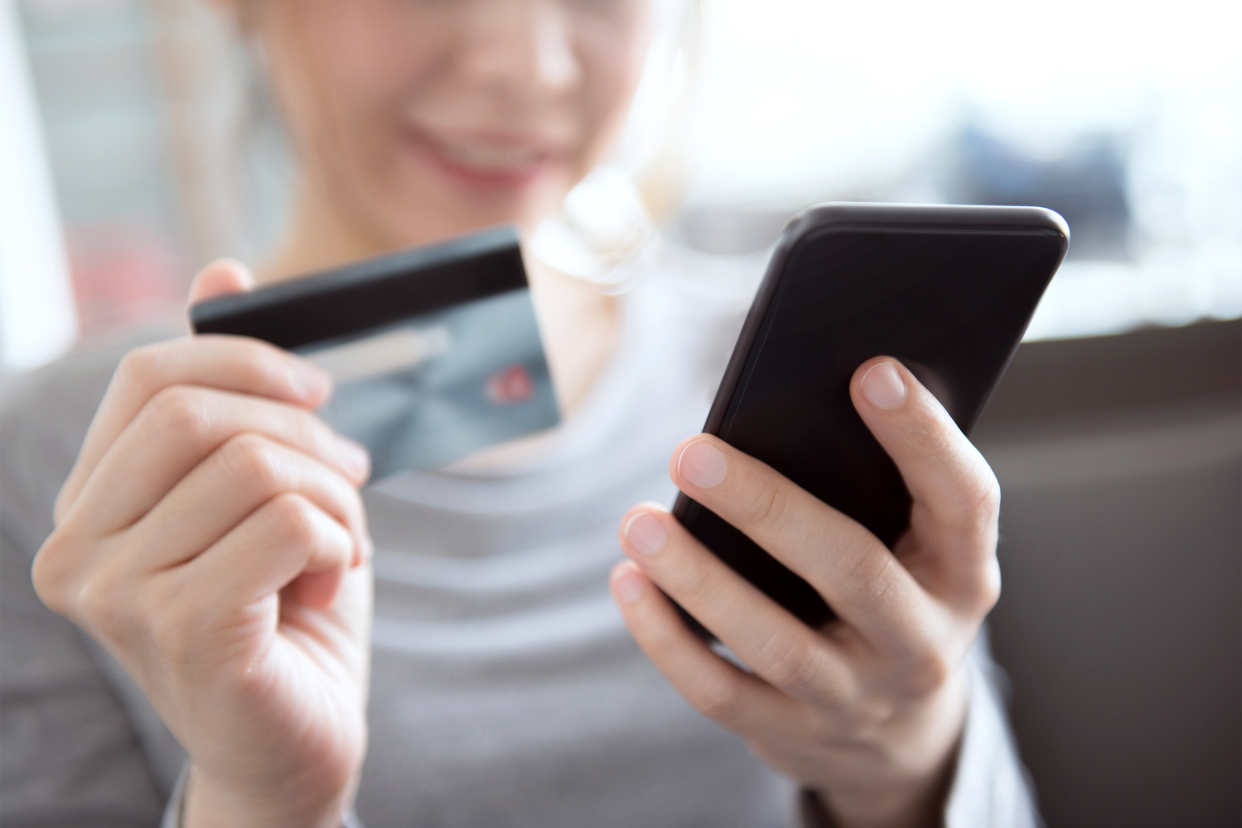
417 119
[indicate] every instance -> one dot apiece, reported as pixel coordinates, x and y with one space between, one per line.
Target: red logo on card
511 386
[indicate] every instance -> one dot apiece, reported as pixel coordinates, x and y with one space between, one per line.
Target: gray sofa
1120 621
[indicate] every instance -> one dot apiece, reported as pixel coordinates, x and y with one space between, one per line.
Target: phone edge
755 317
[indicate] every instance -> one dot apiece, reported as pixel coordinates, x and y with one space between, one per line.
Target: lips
487 160
492 157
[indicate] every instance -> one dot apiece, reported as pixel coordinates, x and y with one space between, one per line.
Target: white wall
824 95
38 321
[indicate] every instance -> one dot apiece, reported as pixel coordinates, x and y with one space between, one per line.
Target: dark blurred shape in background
1086 184
1120 623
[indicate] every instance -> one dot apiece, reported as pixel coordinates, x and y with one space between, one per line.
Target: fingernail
630 587
702 464
645 533
309 380
883 386
355 459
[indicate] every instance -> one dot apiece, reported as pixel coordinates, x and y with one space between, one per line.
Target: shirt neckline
586 427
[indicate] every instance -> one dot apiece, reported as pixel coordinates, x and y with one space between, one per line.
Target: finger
956 496
289 539
220 278
712 686
237 364
180 427
854 572
255 368
236 479
786 653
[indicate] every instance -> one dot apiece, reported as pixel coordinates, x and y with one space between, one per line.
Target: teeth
491 157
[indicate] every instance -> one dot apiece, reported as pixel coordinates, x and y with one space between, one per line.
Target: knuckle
253 460
258 365
870 577
103 602
978 506
717 700
307 430
49 573
987 499
692 576
988 589
355 510
928 673
788 662
181 410
292 518
140 365
252 363
769 508
698 580
979 492
992 494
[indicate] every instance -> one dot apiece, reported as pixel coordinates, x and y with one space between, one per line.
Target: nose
522 46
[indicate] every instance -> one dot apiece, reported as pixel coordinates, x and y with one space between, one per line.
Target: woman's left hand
869 710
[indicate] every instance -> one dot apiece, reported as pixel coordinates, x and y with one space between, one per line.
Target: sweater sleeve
990 787
176 807
77 747
176 803
71 756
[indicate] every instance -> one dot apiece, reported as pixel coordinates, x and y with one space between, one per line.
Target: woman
211 537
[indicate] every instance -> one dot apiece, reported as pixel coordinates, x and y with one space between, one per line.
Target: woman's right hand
212 539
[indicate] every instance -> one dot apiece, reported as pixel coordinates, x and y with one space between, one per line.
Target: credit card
435 351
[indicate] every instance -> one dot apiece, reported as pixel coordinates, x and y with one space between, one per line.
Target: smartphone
947 290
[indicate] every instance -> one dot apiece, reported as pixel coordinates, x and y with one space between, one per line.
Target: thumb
220 278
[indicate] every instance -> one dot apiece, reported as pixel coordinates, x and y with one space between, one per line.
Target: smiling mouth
493 158
501 163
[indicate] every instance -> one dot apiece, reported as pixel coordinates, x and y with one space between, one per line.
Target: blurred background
135 147
1126 118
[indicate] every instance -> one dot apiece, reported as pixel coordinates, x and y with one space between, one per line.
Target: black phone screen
951 303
